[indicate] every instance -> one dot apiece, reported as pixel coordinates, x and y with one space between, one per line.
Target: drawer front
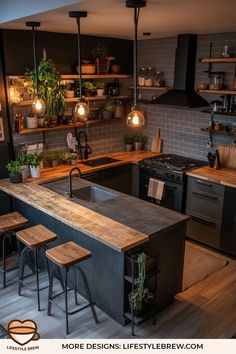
205 204
204 229
201 185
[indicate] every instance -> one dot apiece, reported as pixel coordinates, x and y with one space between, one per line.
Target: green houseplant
49 87
22 158
107 110
14 169
100 86
34 164
139 141
51 158
140 296
129 141
89 88
66 158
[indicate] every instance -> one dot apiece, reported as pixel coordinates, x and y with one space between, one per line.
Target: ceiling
163 18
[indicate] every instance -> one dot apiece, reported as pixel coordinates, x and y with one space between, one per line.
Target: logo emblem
22 332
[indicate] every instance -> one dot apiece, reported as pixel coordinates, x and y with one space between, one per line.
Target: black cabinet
118 178
212 210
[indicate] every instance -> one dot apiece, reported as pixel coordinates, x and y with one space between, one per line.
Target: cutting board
227 156
157 142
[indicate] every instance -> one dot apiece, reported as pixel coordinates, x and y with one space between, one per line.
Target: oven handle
167 186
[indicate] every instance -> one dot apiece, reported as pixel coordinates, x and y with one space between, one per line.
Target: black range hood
183 93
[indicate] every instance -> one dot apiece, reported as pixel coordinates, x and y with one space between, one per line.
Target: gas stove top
172 162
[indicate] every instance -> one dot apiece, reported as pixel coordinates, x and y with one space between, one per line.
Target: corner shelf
218 60
223 92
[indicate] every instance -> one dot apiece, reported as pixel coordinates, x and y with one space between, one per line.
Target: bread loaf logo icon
22 332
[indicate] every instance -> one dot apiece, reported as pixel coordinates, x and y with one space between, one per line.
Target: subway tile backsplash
180 127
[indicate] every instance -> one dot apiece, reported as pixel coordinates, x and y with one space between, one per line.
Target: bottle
141 77
21 122
16 123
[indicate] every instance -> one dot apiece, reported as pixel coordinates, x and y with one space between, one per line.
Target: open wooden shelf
232 114
218 60
151 88
223 92
95 76
76 99
218 132
61 126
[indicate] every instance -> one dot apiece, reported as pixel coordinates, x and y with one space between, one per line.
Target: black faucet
70 180
84 150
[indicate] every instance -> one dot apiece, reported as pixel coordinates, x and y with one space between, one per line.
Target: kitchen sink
93 194
99 161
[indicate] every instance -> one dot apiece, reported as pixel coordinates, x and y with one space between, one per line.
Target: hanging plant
49 88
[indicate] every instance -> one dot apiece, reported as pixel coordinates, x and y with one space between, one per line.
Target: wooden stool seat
67 254
35 239
11 221
36 236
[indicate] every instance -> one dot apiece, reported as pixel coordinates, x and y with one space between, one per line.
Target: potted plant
100 86
49 88
129 141
34 164
52 158
140 298
99 53
22 158
139 141
108 110
74 158
89 88
66 158
14 169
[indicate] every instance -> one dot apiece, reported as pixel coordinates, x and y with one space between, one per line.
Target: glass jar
141 76
157 79
149 76
216 82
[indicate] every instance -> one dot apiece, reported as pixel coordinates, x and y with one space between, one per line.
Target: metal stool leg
66 302
4 259
21 269
75 288
51 278
91 302
37 276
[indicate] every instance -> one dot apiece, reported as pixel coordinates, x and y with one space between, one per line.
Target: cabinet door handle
203 220
204 183
205 195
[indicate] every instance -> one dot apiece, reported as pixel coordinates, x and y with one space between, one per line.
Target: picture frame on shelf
2 135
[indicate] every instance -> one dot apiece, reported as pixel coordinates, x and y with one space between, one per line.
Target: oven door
173 193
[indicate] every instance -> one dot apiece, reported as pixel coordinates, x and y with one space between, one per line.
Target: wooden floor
206 310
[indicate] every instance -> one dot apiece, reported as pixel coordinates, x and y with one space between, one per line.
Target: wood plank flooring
206 310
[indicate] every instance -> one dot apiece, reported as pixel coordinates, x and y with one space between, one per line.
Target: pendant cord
35 59
136 17
79 58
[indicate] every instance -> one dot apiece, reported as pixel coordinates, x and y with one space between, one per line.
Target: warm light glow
14 96
81 111
38 105
135 119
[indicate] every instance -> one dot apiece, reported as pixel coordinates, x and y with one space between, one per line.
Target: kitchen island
110 229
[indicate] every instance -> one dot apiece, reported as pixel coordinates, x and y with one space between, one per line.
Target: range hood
183 93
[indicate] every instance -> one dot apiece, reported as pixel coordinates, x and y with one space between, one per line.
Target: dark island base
106 269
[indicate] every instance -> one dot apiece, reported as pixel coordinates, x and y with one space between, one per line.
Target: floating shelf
232 114
218 132
218 60
76 99
151 88
223 92
62 126
95 76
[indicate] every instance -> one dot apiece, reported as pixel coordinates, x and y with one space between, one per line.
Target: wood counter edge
222 176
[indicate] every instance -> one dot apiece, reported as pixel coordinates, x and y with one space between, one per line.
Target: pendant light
81 109
135 118
38 105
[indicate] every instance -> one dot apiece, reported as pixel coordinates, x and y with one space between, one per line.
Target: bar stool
67 256
8 223
34 238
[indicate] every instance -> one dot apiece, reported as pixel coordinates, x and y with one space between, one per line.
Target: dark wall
61 48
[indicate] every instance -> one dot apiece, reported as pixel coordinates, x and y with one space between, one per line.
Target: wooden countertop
62 171
93 224
225 176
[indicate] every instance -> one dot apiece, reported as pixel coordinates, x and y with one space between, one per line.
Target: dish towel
155 188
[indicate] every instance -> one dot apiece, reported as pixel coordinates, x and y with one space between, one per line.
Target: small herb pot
25 171
15 177
35 171
128 147
138 145
100 92
106 114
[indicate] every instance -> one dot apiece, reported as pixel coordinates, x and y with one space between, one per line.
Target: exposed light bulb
38 105
135 119
81 111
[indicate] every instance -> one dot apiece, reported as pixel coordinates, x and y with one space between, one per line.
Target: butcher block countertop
224 176
122 223
62 171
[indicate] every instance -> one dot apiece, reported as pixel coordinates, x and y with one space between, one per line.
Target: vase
35 171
